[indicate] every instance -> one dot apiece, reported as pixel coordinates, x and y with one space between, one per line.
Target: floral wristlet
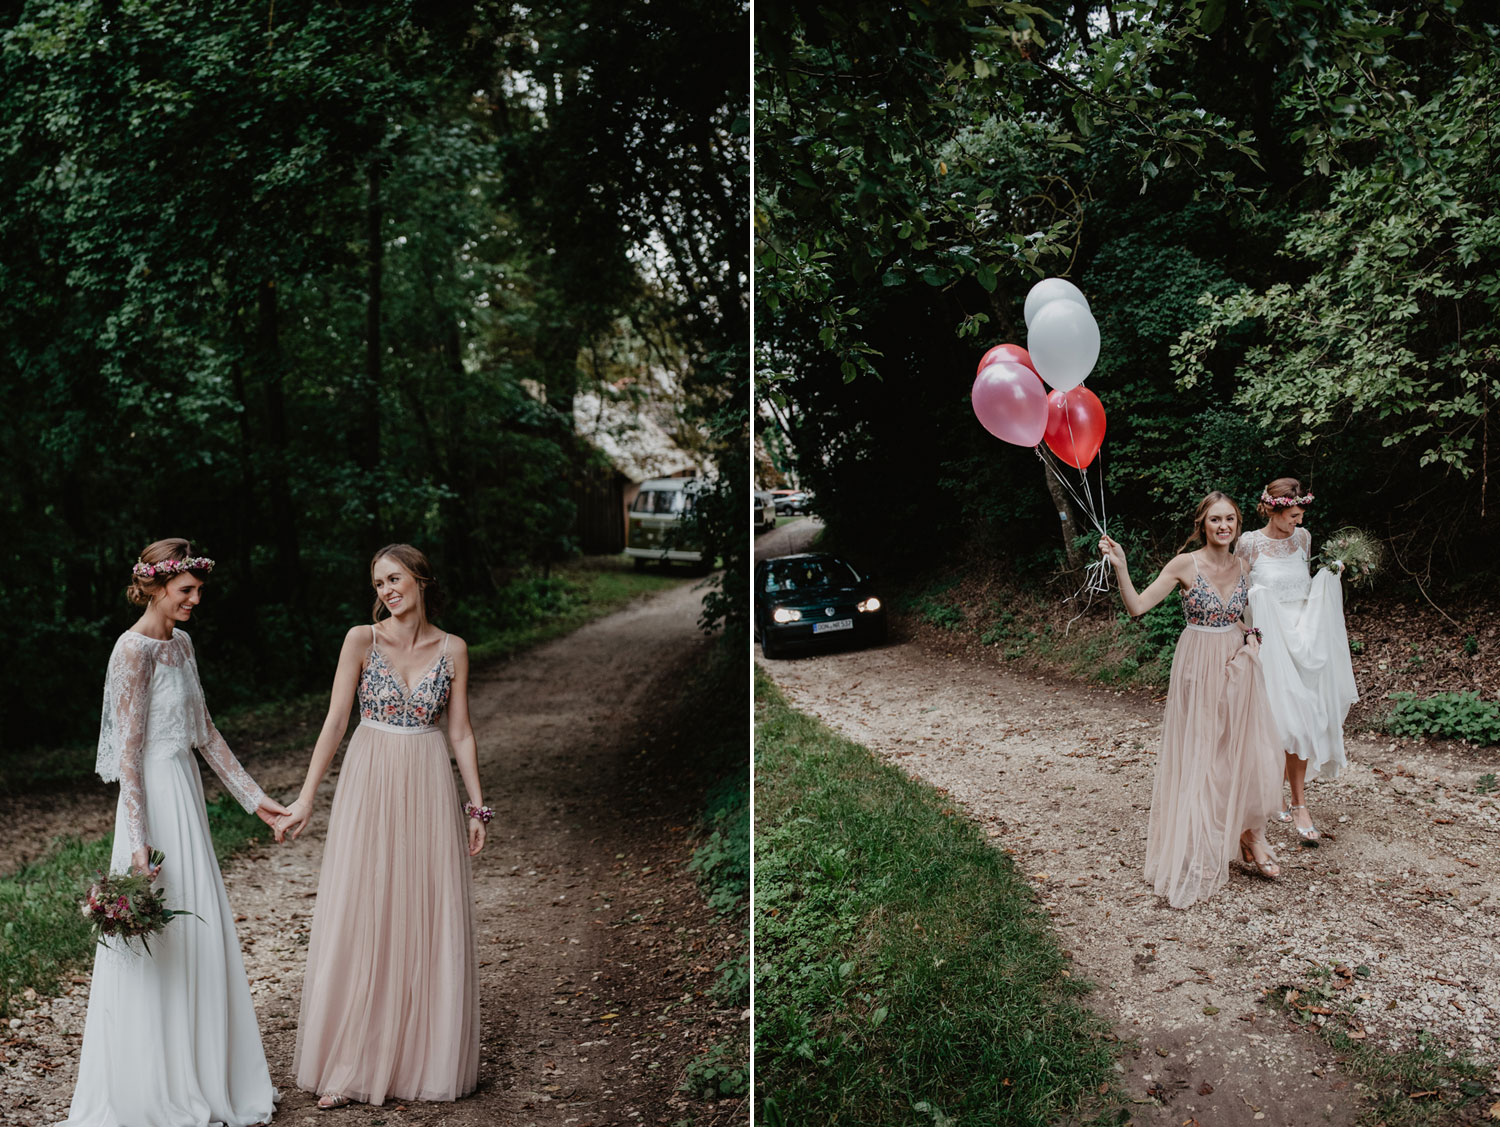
1253 632
483 813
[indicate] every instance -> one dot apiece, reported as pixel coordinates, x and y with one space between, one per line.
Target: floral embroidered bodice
153 710
1280 566
384 697
1203 606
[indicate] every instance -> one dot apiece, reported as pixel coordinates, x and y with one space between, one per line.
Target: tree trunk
1069 522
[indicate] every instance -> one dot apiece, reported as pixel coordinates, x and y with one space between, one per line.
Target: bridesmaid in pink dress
390 1004
1218 774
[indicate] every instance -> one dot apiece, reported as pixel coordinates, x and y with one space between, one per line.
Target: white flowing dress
1305 649
171 1038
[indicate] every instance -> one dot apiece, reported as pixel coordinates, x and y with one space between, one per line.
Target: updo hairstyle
143 589
416 565
1281 487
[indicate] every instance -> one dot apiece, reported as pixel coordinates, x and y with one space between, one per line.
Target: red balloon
1075 425
1005 352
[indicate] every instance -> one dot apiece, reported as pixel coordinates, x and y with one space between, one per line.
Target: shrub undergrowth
1454 716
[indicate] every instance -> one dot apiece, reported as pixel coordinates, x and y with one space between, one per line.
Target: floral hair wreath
1284 502
171 567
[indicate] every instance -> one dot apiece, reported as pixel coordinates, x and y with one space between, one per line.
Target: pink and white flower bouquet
126 906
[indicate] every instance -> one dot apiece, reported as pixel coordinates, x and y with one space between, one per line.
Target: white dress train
1305 649
171 1038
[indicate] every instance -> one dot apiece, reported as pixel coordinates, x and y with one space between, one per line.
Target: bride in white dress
171 1038
1305 649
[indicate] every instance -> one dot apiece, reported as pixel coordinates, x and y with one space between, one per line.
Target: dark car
811 598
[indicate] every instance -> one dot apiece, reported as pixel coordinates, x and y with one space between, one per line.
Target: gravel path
595 948
1403 894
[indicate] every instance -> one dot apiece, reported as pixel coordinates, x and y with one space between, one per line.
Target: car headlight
786 614
872 603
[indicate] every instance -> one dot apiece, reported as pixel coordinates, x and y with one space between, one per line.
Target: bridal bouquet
125 906
1353 553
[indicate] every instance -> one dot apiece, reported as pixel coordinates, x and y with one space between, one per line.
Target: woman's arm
461 737
1173 575
130 691
345 683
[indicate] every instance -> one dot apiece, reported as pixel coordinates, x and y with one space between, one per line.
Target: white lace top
154 709
1280 566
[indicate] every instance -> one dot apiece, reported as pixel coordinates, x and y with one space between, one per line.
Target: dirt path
787 539
1060 776
595 949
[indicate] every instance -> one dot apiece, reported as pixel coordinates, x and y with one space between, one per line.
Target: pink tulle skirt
390 1005
1219 769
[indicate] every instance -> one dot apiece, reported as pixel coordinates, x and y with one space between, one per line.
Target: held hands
269 811
293 818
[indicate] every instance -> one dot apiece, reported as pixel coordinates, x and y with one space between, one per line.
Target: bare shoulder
358 638
457 646
1180 565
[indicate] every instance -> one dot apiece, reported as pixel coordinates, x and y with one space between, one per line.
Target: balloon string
1096 576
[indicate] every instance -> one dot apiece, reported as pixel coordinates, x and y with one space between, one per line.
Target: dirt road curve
1406 891
594 945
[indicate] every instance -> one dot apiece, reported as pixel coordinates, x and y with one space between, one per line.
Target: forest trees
1282 214
272 281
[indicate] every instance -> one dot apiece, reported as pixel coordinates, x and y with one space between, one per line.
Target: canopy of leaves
299 280
1282 215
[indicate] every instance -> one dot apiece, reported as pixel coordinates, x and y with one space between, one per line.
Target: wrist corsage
1253 632
483 813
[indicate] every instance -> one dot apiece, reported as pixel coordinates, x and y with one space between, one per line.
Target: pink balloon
1011 402
1005 352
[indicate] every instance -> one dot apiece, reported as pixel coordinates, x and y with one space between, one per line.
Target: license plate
830 627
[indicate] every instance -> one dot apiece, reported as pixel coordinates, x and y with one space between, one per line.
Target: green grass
1409 1088
45 937
904 972
711 715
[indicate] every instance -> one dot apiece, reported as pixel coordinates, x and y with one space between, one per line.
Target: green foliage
1457 716
45 936
1486 784
900 958
720 1073
722 862
299 284
1341 329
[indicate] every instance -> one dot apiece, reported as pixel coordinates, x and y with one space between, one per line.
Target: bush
1458 716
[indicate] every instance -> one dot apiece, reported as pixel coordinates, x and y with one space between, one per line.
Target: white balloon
1064 344
1049 290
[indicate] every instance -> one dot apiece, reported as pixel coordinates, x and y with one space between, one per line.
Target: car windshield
806 575
661 501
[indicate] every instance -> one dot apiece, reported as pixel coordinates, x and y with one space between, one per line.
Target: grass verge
712 714
45 936
904 972
1406 1088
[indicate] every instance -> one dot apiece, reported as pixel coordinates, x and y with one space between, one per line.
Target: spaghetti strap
445 642
1194 555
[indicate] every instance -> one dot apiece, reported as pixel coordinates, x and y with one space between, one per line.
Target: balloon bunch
1012 404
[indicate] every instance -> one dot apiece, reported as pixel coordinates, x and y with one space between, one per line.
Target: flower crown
1284 502
171 567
